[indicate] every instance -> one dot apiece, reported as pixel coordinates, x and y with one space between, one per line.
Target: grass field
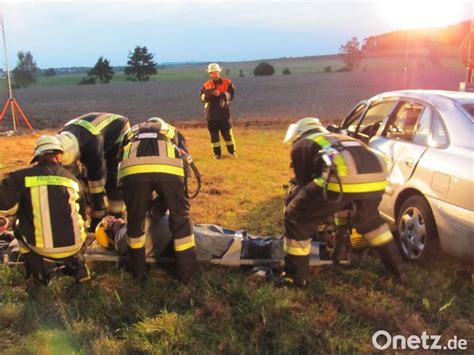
226 311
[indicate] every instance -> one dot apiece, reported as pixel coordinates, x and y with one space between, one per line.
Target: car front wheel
417 230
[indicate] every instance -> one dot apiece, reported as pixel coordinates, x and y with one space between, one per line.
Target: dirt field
258 98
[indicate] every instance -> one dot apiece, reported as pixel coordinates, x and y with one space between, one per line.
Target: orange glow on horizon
402 15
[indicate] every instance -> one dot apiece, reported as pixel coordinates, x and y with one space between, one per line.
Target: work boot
217 157
285 280
392 259
81 271
186 265
138 263
34 266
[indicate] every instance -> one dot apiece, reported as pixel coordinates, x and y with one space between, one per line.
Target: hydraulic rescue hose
333 172
188 159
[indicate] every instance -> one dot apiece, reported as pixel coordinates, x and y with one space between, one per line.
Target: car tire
417 232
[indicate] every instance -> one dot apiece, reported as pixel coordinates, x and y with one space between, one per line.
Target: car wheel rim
412 231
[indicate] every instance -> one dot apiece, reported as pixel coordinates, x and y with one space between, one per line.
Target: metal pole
8 75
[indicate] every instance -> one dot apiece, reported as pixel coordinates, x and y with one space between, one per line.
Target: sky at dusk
61 34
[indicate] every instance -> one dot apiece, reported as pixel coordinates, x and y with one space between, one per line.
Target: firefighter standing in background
152 163
324 163
216 95
94 140
48 202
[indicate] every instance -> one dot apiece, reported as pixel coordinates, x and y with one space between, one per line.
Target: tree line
140 66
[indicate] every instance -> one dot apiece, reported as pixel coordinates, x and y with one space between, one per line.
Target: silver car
428 140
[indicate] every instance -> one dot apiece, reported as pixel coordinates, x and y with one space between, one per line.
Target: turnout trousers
224 127
137 197
308 208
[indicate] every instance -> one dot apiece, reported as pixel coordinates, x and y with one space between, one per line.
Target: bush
263 68
87 81
286 71
343 69
50 72
328 69
241 73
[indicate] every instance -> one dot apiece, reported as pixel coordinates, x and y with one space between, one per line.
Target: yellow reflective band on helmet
150 168
50 180
183 244
381 239
136 243
87 125
352 188
297 247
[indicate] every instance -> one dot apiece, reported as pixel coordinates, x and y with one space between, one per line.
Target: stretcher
233 257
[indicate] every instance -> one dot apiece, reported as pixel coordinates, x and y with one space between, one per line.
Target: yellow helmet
46 144
70 146
101 235
214 67
295 130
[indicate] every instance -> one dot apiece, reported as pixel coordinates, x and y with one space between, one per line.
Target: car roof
431 96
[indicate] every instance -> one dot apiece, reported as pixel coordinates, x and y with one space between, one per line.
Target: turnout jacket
217 107
49 204
361 170
148 153
99 135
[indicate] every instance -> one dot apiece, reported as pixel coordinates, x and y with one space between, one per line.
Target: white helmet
165 129
295 130
71 148
214 67
46 144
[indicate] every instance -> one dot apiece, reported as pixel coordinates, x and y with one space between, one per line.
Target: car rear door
403 140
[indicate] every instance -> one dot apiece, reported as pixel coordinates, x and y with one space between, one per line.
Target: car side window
422 131
439 136
404 123
374 117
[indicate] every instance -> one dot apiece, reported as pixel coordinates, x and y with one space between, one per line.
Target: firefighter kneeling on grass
48 202
326 164
151 163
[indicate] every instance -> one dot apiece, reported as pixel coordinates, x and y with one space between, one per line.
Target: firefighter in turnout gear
333 172
216 95
94 140
49 205
151 163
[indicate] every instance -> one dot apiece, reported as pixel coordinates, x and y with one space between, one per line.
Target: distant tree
351 53
26 70
50 72
102 71
286 71
328 69
227 72
241 73
264 68
140 64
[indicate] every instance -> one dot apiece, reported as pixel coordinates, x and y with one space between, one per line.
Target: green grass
226 310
